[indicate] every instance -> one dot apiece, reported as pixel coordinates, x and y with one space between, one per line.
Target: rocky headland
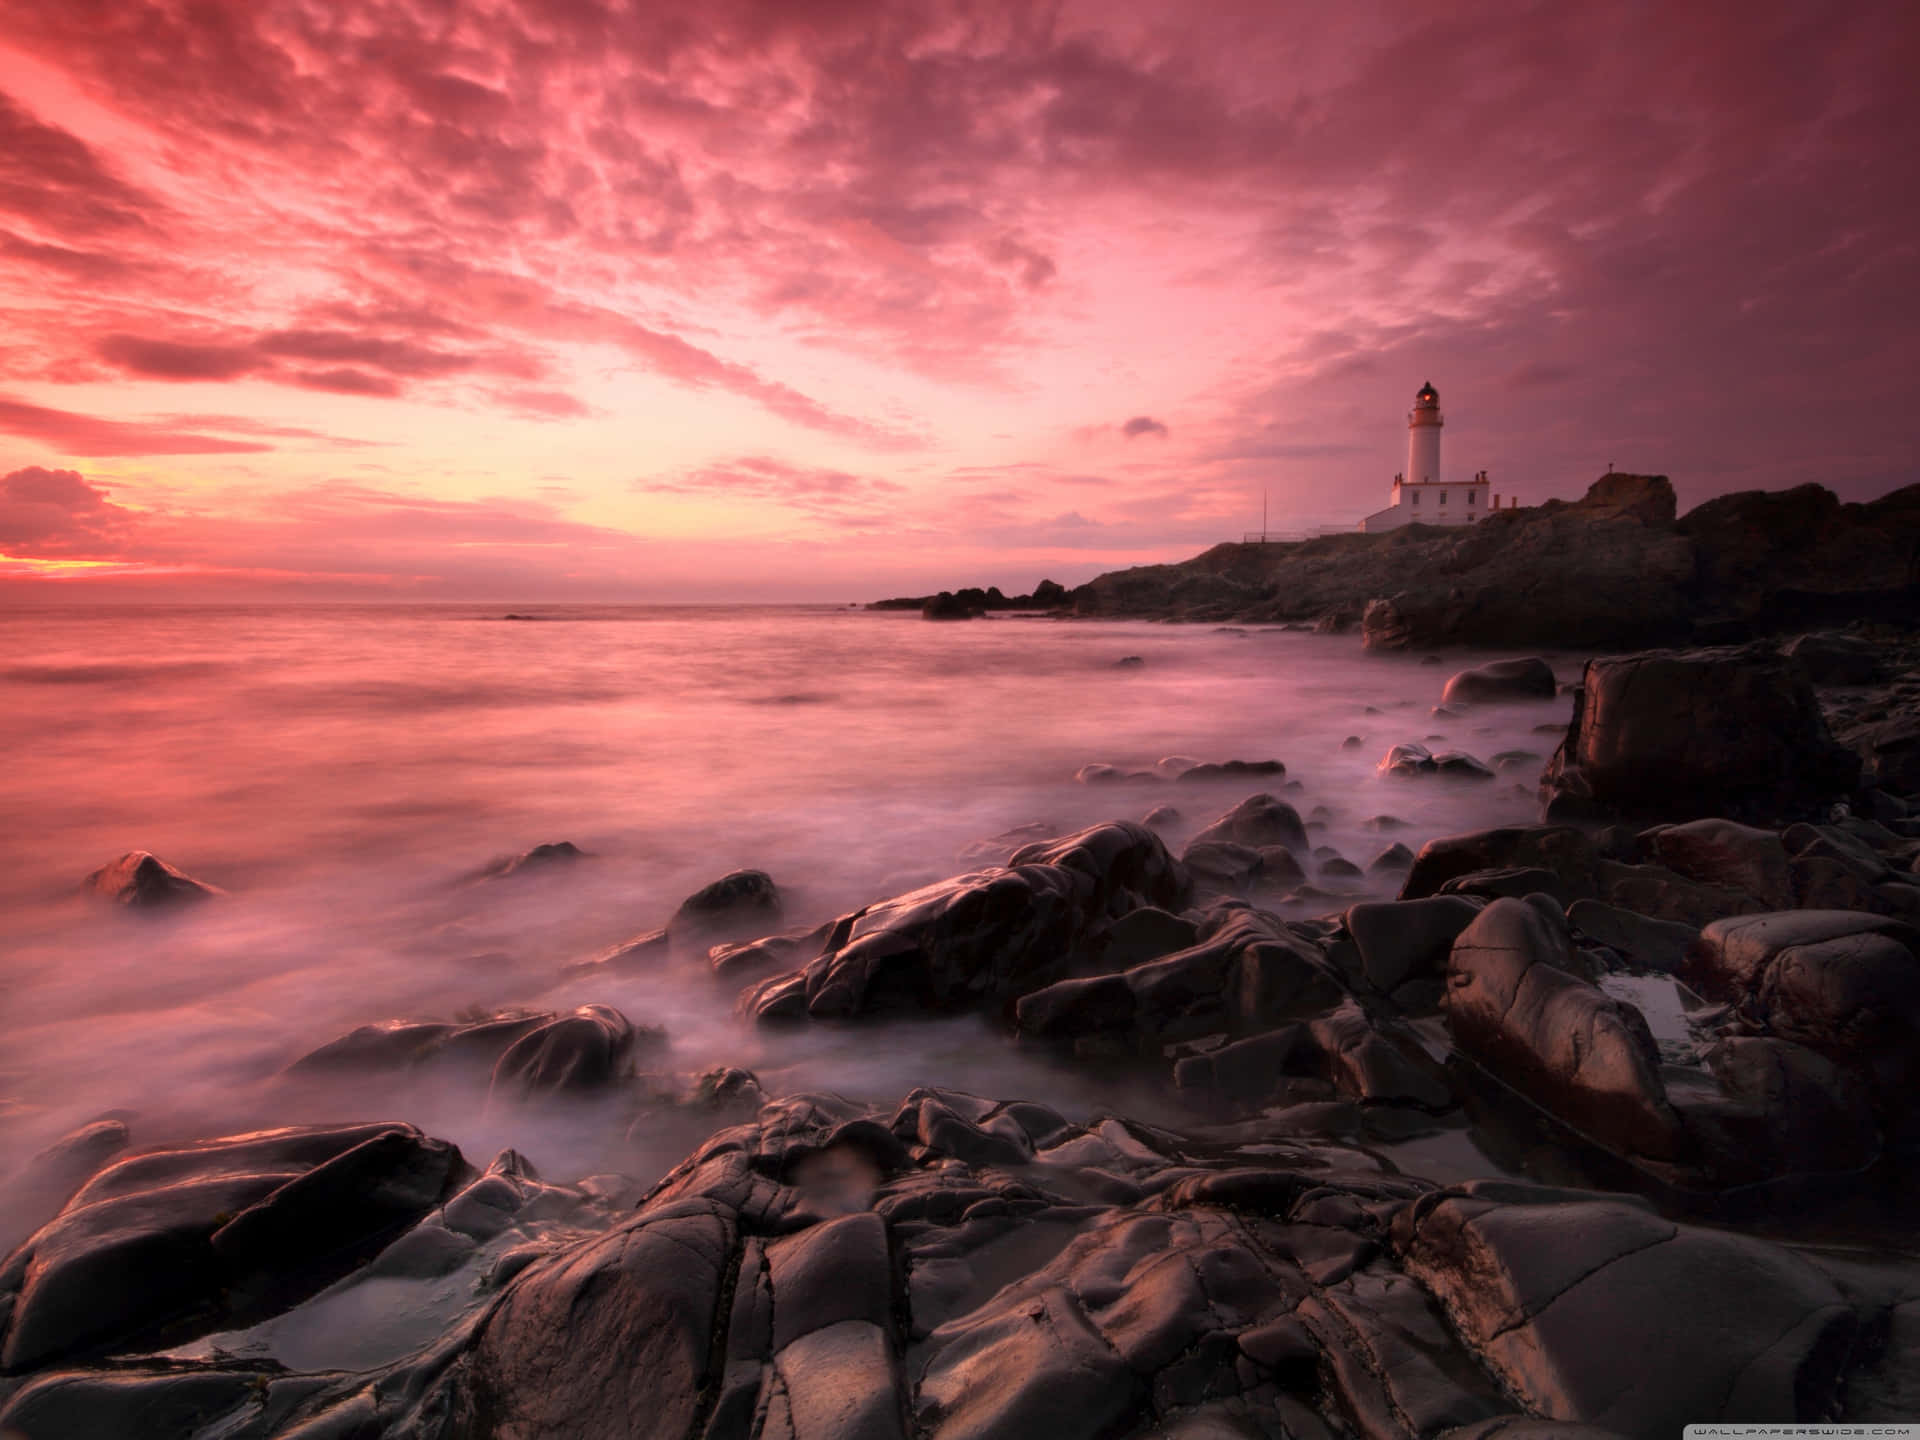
1678 1021
1617 569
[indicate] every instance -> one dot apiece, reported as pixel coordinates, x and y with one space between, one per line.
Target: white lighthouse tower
1423 436
1421 497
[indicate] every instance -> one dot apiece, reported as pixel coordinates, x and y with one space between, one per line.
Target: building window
1472 495
1443 497
1416 497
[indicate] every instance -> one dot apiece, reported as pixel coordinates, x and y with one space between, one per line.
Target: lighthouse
1421 496
1423 436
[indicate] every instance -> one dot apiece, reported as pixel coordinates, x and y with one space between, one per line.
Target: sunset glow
597 299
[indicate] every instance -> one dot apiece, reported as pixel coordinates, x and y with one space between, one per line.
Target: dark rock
1517 882
554 855
1161 817
1514 1005
1393 860
1146 934
1337 867
1726 853
1663 894
949 606
744 901
1256 821
1563 849
1408 940
1679 734
581 1051
1221 868
995 849
1126 662
1231 770
1831 658
1352 742
1383 823
1409 760
982 940
1765 1336
1646 943
1502 680
1788 1110
162 1247
146 882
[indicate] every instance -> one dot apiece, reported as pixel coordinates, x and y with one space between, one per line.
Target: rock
741 902
1502 680
949 606
1517 881
1231 770
995 849
981 941
1146 934
389 1045
1832 658
1842 983
756 957
1128 662
1383 823
1256 821
554 855
1644 942
141 881
1890 749
1679 734
161 1247
1408 940
1514 1005
1409 760
1726 853
1222 868
1161 817
1352 742
1764 1335
1563 849
1790 1110
581 1051
1102 774
1339 868
1663 894
1393 860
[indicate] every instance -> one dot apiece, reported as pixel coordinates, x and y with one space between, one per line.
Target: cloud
77 434
56 512
1143 425
174 360
824 494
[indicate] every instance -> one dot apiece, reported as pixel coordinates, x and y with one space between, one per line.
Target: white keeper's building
1420 496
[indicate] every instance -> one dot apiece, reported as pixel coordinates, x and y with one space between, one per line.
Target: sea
347 774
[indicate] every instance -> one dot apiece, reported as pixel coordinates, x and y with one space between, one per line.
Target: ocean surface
346 772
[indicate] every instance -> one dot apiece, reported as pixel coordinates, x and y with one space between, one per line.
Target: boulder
1726 853
1256 821
585 1050
981 941
1701 1323
1409 940
141 881
554 855
949 606
1832 658
1515 1006
165 1246
1564 849
1678 734
1408 761
1643 942
744 902
1500 681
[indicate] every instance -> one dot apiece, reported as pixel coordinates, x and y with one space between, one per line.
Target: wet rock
1129 662
995 849
1644 942
1383 824
1222 868
980 941
1146 934
1764 1334
554 855
1408 940
749 958
1726 853
1352 742
1102 774
1832 658
1338 867
1231 770
1678 734
949 606
389 1045
1396 859
1514 1005
1563 849
1256 821
586 1050
1785 1109
1410 761
161 1247
1502 680
1516 881
1161 817
141 881
1663 894
746 901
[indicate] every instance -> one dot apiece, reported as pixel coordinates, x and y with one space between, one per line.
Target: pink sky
615 299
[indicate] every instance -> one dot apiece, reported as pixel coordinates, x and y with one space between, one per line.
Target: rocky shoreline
1680 1016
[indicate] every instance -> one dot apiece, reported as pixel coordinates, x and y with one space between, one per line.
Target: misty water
344 773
